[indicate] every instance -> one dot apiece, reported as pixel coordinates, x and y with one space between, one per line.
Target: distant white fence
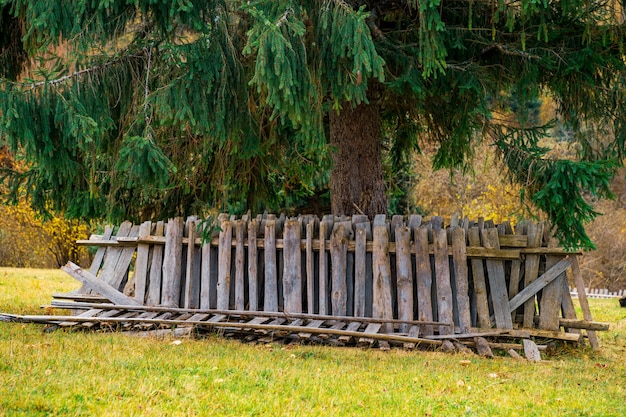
599 293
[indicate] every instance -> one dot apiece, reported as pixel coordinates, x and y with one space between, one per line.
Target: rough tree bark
356 183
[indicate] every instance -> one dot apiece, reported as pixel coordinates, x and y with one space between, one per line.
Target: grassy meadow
66 373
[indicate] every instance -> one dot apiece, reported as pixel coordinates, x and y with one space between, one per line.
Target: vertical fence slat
240 264
382 304
156 269
271 271
480 285
141 263
360 251
423 276
497 282
224 265
535 235
325 225
205 275
310 269
172 258
516 269
192 282
459 256
444 289
292 278
404 273
338 254
253 278
552 296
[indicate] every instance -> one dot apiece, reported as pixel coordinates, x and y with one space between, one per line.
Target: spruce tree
136 108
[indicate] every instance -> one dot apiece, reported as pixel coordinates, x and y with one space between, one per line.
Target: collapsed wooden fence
419 278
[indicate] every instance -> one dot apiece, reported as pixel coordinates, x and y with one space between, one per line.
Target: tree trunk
356 184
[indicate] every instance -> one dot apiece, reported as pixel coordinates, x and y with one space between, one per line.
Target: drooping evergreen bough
137 109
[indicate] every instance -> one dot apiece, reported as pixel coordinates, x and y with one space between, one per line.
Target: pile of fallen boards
277 327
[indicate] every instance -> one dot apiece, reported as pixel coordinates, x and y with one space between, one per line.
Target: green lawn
109 374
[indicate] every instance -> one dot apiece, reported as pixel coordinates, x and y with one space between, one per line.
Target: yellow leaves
28 241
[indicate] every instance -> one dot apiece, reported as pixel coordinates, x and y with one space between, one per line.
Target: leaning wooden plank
516 268
141 263
461 278
423 276
497 282
552 296
567 305
98 285
240 263
119 276
480 285
271 268
538 284
156 269
338 254
404 275
576 324
535 237
382 306
442 269
582 299
172 272
113 254
87 313
292 275
224 260
101 252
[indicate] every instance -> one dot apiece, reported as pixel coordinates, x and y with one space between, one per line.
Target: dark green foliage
136 109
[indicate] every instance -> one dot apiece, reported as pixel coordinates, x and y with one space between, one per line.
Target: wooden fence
599 293
404 269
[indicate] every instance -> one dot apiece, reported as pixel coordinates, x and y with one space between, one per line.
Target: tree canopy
137 108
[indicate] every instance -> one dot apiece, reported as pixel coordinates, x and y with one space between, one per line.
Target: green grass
111 374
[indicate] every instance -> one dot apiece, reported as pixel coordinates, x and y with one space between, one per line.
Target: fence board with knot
401 270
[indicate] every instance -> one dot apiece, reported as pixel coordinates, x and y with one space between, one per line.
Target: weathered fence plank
338 255
240 264
497 282
442 270
423 277
141 263
535 236
270 295
404 274
483 319
156 269
224 265
461 278
172 258
253 277
292 278
382 306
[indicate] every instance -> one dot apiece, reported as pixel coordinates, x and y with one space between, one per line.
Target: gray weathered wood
483 319
253 278
461 279
497 282
205 275
119 276
192 280
292 276
535 236
172 256
325 226
224 265
141 263
404 274
531 351
444 289
270 300
552 296
582 299
423 276
360 258
338 255
240 264
537 285
310 269
156 269
98 285
382 306
101 252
